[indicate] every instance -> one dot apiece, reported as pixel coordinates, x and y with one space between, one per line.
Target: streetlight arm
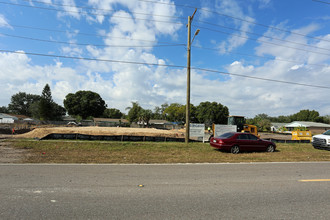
196 33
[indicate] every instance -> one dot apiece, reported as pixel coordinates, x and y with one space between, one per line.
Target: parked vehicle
236 142
322 141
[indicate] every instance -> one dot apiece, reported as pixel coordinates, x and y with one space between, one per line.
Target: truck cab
322 141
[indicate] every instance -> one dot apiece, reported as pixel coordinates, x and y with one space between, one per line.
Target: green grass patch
59 151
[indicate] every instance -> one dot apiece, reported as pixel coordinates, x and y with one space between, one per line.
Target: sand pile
152 132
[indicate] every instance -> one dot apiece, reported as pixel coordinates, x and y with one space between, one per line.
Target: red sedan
236 142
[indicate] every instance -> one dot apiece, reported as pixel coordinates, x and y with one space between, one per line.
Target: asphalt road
184 191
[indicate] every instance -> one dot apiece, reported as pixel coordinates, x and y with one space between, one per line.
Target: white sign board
196 130
221 129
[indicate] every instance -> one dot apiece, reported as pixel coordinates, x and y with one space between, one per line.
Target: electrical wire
236 18
170 44
321 2
200 21
260 35
100 9
88 13
251 55
196 26
85 44
165 65
258 40
85 34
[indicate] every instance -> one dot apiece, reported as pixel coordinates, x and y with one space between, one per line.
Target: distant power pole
190 18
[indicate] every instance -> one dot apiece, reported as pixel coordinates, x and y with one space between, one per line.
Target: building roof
160 122
20 117
110 120
278 125
307 124
3 115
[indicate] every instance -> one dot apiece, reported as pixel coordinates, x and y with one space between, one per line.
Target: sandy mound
42 132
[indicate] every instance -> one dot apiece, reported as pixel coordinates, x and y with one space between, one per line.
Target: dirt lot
42 132
275 136
8 154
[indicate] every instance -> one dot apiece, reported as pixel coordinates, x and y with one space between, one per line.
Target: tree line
206 113
88 104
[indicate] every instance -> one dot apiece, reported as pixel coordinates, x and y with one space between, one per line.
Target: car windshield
226 135
327 132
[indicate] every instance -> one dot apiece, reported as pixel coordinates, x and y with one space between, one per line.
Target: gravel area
9 154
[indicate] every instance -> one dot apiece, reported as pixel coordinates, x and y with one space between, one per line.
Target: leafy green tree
112 113
58 112
145 116
159 112
21 102
326 119
305 115
211 112
282 119
262 121
4 109
34 109
175 112
133 113
193 114
84 104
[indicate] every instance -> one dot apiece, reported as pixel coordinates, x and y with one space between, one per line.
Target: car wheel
270 148
234 149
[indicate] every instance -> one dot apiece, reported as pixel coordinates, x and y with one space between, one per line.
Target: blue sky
267 47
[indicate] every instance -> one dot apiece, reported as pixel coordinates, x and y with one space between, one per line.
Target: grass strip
61 151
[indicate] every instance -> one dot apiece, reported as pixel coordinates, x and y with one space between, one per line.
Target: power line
249 38
99 9
244 20
169 44
93 8
85 44
321 2
264 79
263 57
168 21
86 34
252 33
88 13
164 65
236 18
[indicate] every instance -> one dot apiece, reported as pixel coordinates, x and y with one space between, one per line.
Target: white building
277 127
314 127
4 118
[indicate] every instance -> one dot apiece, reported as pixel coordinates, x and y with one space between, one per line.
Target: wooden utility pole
190 18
